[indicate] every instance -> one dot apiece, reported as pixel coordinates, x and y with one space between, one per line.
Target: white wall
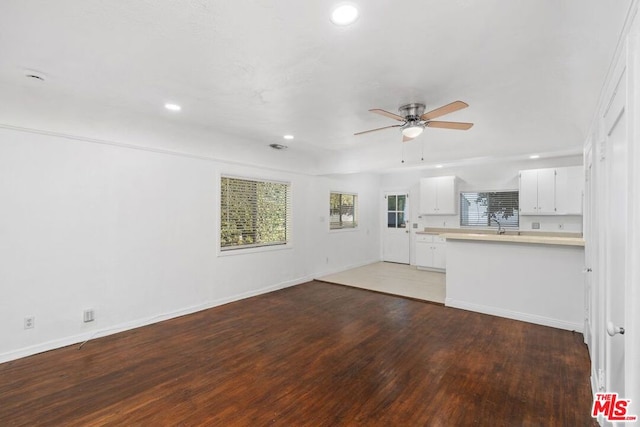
133 234
534 283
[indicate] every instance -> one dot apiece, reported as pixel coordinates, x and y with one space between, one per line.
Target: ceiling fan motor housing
412 112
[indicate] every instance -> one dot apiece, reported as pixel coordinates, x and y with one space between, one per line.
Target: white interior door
589 255
396 244
615 223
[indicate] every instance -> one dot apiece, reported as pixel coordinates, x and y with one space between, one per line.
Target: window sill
343 230
245 251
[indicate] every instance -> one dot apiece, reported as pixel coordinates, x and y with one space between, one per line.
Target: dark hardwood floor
312 355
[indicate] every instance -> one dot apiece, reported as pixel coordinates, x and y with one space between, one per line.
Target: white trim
344 268
253 249
250 249
87 139
343 230
515 315
632 291
87 336
615 62
253 178
356 210
384 225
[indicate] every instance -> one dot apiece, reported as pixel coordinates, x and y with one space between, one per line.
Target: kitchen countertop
510 236
542 240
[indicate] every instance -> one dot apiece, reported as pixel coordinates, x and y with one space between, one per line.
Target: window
254 213
396 210
343 211
488 209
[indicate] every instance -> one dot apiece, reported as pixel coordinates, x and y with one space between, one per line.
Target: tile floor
391 278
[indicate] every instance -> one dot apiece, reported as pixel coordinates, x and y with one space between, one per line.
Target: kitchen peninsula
532 277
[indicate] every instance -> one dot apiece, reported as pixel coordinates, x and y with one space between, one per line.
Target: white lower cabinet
430 252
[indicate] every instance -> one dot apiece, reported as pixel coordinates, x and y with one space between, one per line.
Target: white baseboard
516 315
344 268
86 336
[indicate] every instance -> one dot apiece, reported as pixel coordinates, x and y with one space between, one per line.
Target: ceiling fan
414 119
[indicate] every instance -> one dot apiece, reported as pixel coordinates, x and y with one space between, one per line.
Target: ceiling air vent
34 75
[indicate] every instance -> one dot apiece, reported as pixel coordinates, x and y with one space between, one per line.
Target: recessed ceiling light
172 107
438 166
344 15
534 156
288 137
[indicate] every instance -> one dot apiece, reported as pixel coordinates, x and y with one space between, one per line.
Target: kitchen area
513 249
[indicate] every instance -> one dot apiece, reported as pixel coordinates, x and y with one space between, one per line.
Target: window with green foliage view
254 213
489 209
343 211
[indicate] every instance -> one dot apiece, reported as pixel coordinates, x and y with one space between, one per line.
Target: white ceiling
246 72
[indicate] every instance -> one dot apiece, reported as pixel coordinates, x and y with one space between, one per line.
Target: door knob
612 330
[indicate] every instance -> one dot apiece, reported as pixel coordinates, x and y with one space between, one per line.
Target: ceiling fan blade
445 109
387 114
406 138
449 125
374 130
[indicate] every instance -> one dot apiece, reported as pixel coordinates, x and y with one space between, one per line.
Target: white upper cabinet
569 190
546 191
528 192
438 195
551 191
428 195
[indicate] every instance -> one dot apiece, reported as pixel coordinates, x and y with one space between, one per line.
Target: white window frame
260 247
492 224
355 211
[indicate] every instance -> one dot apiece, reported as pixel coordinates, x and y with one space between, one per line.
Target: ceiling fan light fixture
412 131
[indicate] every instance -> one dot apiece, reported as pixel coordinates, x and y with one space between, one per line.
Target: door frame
598 231
384 223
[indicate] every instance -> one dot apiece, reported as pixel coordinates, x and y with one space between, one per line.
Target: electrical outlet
89 315
535 226
29 322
